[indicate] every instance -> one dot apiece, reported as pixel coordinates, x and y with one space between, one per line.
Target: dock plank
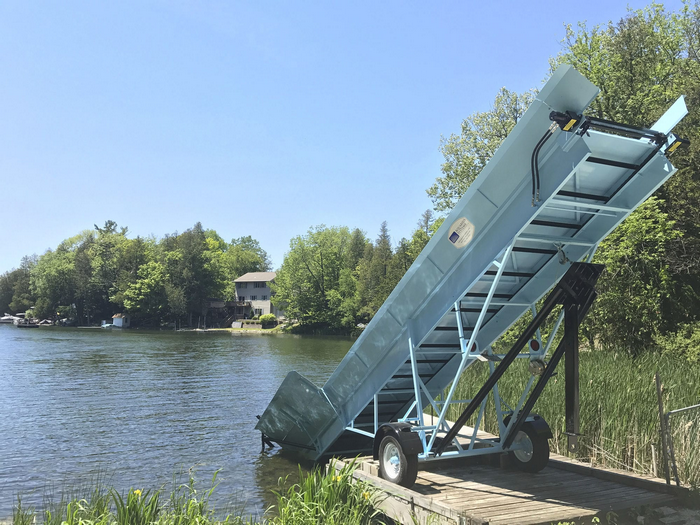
461 493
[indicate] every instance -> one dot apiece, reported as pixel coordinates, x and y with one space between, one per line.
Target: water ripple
140 407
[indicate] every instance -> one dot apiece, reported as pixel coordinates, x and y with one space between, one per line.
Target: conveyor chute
494 257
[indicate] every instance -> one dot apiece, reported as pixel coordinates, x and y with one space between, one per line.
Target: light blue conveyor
589 183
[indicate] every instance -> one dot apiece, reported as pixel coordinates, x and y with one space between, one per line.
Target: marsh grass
22 515
94 503
334 499
618 407
136 507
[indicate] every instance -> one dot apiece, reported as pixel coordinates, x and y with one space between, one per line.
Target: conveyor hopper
507 242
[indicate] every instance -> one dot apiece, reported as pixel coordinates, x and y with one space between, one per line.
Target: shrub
685 342
268 319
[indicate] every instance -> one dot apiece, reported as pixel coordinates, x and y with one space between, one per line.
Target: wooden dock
469 491
464 492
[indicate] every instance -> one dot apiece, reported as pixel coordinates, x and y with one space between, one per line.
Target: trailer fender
536 422
410 441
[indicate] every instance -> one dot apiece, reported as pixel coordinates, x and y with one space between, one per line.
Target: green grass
317 498
332 499
618 407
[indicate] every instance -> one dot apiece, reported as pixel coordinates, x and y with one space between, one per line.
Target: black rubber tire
540 452
407 465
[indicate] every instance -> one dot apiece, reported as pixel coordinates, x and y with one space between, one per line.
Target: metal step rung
614 163
511 274
495 296
501 303
579 195
589 205
553 239
554 224
440 345
541 251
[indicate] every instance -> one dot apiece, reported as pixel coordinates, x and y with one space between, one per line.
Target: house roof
118 316
252 277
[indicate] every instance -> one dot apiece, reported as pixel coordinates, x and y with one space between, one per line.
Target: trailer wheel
534 454
394 465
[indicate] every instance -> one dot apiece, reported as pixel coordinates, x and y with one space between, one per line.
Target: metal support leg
571 368
416 389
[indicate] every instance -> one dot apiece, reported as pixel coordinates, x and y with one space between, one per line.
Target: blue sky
255 118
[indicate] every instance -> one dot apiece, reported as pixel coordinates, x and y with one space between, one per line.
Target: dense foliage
96 273
333 279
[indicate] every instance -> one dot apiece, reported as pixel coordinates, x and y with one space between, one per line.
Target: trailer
526 229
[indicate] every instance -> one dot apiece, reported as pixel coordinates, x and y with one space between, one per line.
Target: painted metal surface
495 255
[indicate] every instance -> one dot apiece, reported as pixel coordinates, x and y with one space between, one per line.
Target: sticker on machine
461 232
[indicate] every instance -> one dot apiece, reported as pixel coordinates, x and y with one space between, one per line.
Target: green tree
642 64
15 288
133 254
308 285
356 251
147 296
192 266
6 291
635 298
53 280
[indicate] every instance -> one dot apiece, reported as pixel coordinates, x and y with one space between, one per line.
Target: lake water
138 407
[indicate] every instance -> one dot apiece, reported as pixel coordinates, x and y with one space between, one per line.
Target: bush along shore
332 499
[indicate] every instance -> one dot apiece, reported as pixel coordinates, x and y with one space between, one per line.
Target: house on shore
253 295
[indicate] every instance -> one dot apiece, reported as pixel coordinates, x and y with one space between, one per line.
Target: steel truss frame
429 434
516 416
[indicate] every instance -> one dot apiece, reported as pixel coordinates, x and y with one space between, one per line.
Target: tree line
334 279
98 272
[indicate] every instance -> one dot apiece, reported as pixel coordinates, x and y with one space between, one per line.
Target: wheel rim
391 461
525 450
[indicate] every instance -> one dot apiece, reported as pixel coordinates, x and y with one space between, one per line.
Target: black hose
537 167
534 169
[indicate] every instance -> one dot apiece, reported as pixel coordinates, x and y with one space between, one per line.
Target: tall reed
333 499
618 407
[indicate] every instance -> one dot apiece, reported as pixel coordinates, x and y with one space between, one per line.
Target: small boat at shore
8 319
26 323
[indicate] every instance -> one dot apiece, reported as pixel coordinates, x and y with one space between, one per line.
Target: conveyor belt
493 258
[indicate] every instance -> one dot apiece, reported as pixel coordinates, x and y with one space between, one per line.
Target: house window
264 297
253 297
241 297
244 285
259 285
258 311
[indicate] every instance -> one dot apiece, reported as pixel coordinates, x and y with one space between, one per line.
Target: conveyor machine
528 225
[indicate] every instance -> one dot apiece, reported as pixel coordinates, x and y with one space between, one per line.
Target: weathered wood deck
467 491
462 492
